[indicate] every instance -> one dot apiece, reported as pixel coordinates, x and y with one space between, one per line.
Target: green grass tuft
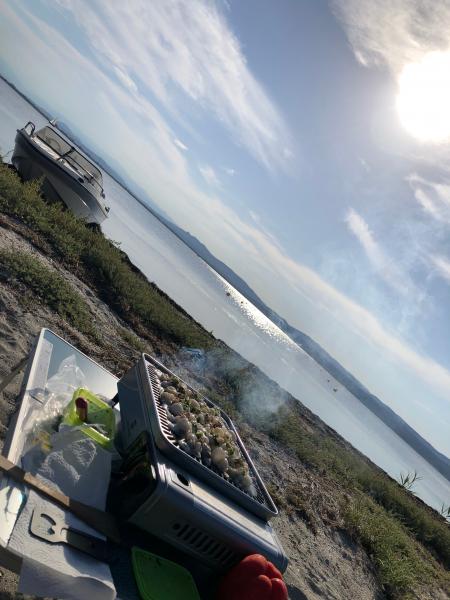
48 286
132 339
400 562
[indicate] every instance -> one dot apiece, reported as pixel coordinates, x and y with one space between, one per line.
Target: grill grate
203 544
164 422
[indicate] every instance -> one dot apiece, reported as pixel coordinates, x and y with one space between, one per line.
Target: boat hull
59 183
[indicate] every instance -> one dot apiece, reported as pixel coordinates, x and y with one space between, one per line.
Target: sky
310 137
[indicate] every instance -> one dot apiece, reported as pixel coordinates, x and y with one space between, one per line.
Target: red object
81 407
279 590
254 578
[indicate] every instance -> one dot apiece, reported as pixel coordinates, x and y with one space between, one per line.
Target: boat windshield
71 155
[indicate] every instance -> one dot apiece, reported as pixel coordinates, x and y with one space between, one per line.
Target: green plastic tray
160 579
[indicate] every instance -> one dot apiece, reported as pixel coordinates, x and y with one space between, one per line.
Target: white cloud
365 165
360 229
180 144
125 79
262 227
394 32
428 204
433 197
229 171
441 266
181 51
380 261
209 175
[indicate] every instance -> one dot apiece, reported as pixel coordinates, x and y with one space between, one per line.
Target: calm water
203 294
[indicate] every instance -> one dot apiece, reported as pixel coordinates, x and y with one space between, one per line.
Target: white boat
69 176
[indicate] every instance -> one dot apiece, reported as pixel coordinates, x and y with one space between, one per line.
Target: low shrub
49 287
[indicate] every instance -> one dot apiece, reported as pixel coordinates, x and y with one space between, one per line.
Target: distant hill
439 461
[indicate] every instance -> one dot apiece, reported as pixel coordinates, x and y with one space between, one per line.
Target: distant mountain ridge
438 460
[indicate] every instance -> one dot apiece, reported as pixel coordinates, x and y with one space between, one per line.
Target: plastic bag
66 380
58 393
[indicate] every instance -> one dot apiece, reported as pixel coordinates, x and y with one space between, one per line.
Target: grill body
151 416
181 507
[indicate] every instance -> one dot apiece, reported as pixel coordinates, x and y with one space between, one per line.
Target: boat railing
32 127
71 160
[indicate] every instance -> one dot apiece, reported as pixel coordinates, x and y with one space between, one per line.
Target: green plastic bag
100 424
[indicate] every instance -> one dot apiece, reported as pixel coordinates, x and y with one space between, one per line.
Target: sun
423 100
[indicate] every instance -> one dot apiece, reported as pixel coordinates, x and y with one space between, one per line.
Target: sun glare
423 101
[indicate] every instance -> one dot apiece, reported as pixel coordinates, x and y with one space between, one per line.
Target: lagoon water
204 294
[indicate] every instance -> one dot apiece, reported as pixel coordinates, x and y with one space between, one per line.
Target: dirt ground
324 562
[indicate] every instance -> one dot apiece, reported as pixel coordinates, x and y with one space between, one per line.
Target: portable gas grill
179 499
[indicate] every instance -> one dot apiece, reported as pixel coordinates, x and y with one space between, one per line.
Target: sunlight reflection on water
258 320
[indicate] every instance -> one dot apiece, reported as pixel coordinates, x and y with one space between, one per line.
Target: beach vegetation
47 285
401 564
407 480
